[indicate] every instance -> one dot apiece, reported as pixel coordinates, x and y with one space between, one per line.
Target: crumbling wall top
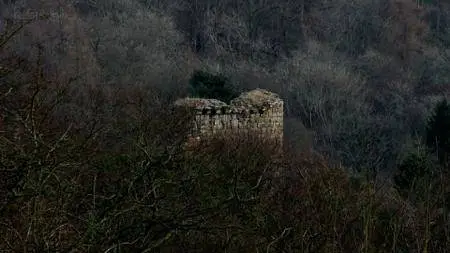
256 99
200 103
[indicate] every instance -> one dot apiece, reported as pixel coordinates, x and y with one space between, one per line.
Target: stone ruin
258 111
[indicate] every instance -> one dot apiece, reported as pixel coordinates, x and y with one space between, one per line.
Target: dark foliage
207 85
413 171
438 131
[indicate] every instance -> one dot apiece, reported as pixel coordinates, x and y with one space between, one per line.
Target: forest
91 154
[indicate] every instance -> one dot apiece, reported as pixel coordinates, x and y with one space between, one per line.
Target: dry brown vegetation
92 158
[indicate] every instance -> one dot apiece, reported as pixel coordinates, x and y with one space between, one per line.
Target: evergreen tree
438 131
207 85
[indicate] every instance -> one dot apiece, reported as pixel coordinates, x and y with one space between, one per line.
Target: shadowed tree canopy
438 132
207 85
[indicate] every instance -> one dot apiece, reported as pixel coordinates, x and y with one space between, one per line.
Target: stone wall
258 112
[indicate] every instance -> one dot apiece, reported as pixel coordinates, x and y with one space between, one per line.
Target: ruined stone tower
258 111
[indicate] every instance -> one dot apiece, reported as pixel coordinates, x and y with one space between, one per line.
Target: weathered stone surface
258 98
200 103
258 111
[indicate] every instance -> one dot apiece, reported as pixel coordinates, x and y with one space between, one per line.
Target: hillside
90 152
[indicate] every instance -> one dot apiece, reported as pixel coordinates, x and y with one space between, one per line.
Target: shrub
414 174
